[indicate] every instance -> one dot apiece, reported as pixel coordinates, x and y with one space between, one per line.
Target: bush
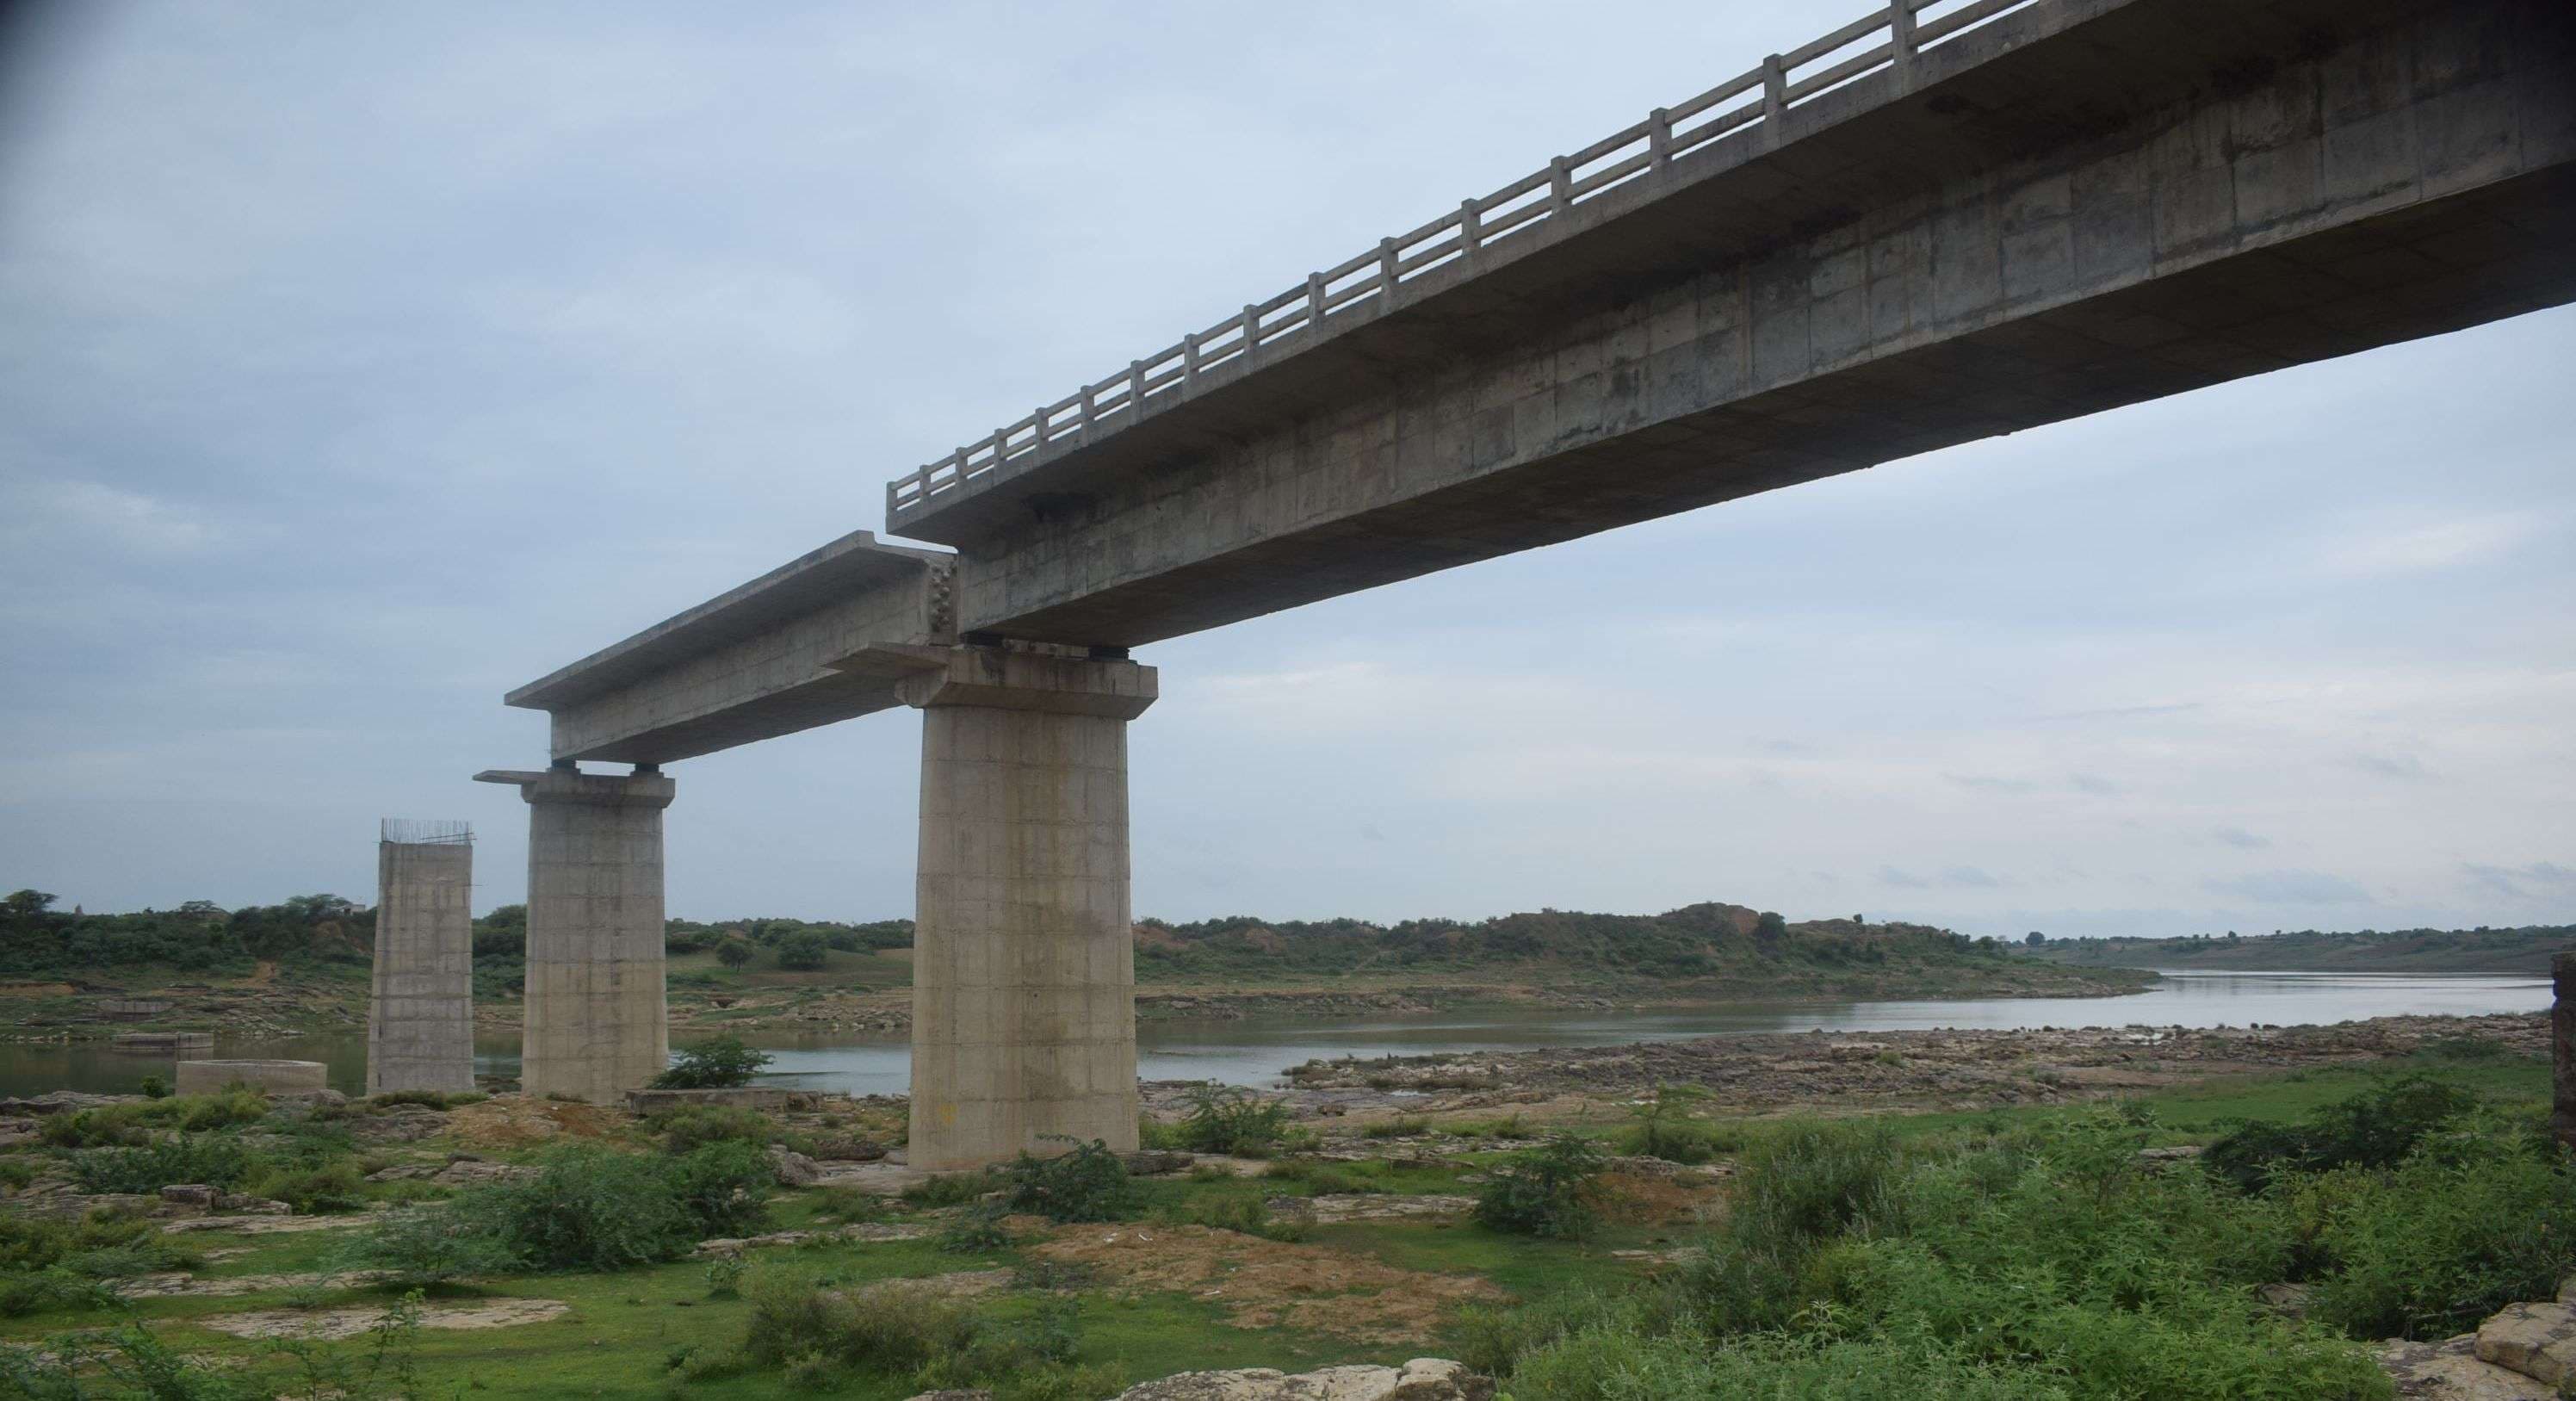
218 1162
948 1189
2374 1128
1540 1192
2466 1225
428 1246
1223 1119
588 1208
1493 1338
890 1328
723 1063
434 1099
1664 1128
337 1185
1089 1183
153 1087
723 1187
802 951
697 1125
734 953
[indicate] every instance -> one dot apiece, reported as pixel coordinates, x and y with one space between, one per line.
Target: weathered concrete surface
2562 1047
420 1016
596 1025
1023 975
205 1077
776 655
2086 204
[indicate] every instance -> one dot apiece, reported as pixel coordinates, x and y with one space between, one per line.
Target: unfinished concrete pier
596 1025
420 1017
1024 961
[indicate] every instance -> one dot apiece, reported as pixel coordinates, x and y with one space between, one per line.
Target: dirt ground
513 1121
1270 1284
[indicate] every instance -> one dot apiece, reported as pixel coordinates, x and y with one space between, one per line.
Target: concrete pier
596 1023
1024 973
420 1018
2562 1047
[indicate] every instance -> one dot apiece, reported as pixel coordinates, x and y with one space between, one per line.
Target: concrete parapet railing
1887 38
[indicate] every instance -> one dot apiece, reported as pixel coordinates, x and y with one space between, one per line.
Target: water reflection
1254 1051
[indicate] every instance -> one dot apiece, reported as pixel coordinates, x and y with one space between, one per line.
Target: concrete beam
2086 204
781 653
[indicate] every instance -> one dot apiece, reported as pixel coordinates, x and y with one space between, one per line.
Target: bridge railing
1888 38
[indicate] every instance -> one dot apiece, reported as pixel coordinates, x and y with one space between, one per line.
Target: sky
358 363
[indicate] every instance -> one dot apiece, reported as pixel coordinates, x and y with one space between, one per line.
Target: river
1255 1050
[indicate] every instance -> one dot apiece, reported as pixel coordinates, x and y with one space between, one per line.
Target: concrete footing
420 1018
1024 980
596 1025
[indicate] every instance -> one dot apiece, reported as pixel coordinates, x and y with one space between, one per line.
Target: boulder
195 1194
2537 1340
1423 1379
1150 1162
58 1102
465 1172
2450 1371
849 1150
794 1168
402 1123
237 1203
403 1172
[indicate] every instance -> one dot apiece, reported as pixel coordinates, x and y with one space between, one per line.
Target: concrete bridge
1941 222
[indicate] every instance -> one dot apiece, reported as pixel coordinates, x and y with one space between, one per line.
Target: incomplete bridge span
1941 222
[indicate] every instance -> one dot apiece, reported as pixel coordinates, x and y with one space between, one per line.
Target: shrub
734 953
2455 1233
1493 1338
153 1087
434 1099
720 1064
428 1246
1402 1126
697 1125
890 1328
1088 1183
724 1277
723 1187
1247 1215
1224 1119
1540 1192
1799 1188
337 1185
1664 1128
588 1208
948 1189
217 1162
802 951
2376 1128
973 1232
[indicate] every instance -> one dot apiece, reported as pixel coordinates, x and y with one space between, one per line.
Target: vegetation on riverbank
2526 950
2006 1252
303 966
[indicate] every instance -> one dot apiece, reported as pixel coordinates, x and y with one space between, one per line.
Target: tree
20 904
2035 939
720 1064
1769 927
733 953
802 950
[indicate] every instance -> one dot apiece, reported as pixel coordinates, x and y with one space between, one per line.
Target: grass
622 1326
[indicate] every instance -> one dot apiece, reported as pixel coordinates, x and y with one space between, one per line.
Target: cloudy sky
360 362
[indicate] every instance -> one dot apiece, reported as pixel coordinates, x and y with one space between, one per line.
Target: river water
1255 1050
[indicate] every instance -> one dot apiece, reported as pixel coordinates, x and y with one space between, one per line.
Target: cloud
2379 549
99 516
2092 783
2539 880
1949 878
2290 888
1969 878
2239 838
2404 767
1989 783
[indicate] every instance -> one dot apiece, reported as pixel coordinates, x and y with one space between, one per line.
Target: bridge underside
2414 174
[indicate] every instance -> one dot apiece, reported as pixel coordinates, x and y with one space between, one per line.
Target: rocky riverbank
1929 1069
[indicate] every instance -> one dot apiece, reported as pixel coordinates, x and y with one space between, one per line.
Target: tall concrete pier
1024 965
596 1023
2562 1047
420 1018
